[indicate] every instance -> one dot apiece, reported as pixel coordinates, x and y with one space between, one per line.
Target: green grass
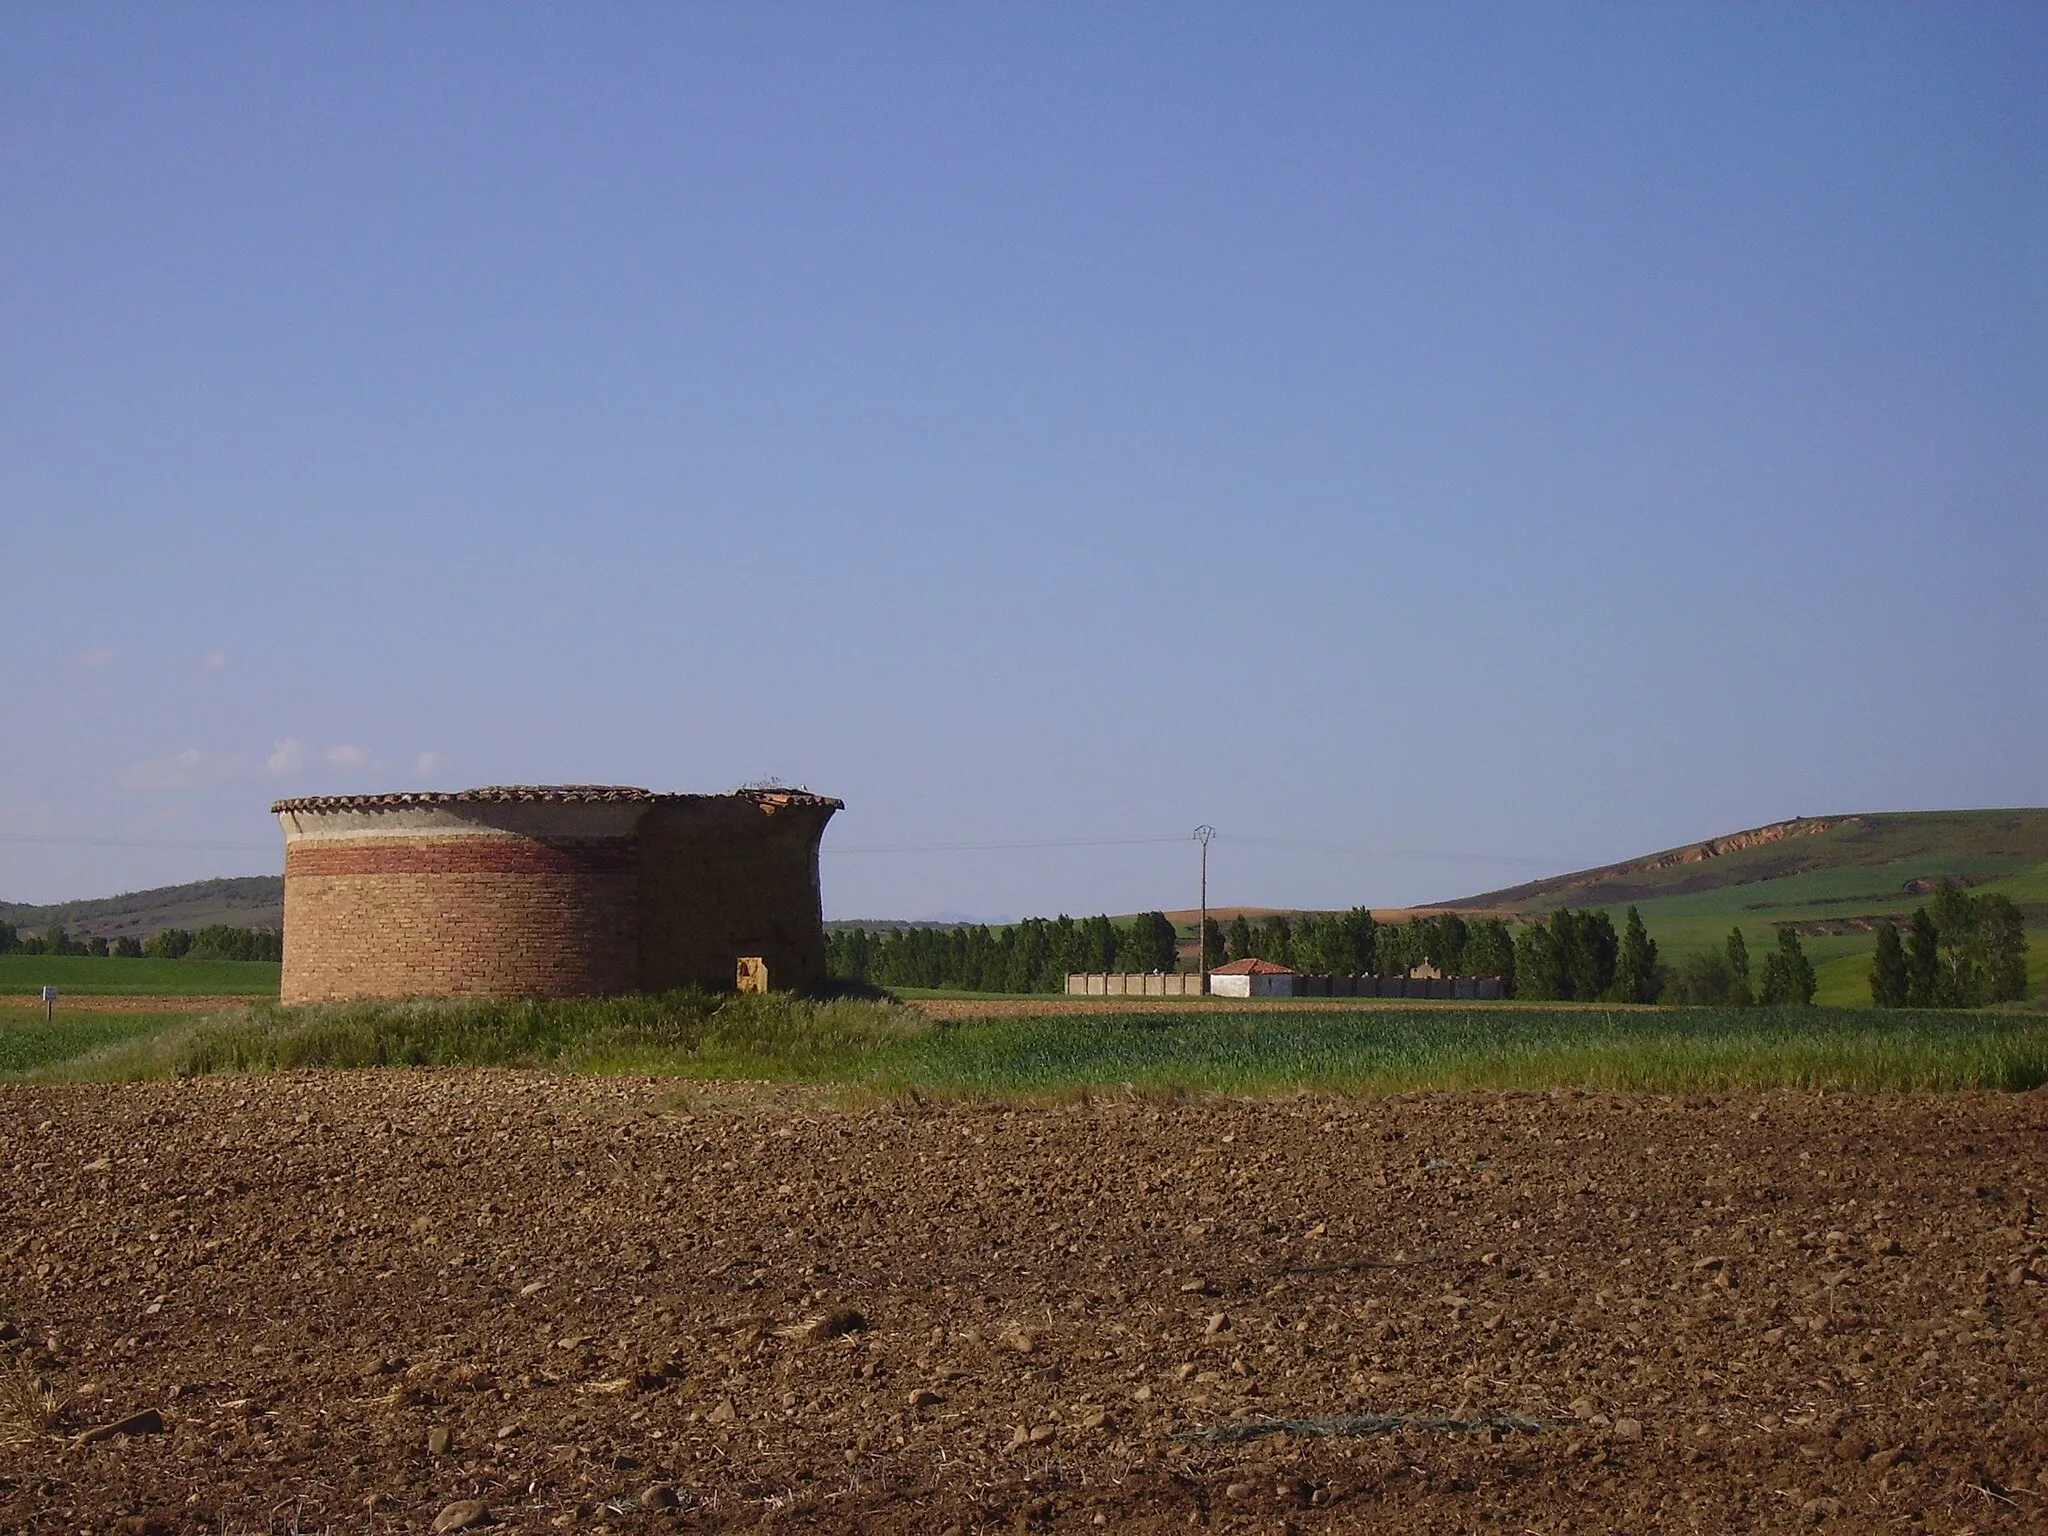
92 976
1823 892
28 1044
683 1033
1665 1050
1842 981
889 1049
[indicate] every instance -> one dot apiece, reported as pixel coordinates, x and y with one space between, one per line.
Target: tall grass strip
683 1033
884 1050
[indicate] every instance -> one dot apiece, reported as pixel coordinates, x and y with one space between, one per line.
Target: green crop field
883 1048
1672 1050
29 1045
93 976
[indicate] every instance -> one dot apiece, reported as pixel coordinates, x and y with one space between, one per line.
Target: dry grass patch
28 1408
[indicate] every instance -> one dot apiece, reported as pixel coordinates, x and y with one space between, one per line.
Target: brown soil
349 1301
1054 1002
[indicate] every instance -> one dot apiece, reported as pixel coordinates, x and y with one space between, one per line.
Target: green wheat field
889 1048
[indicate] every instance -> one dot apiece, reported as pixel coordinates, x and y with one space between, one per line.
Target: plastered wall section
725 876
451 905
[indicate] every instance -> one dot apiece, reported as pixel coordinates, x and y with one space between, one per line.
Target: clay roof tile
556 794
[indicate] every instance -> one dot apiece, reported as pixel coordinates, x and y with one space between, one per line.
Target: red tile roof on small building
1251 967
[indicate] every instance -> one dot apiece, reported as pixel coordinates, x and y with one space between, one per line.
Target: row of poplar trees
1569 957
1354 943
1032 956
1037 954
1966 952
1721 978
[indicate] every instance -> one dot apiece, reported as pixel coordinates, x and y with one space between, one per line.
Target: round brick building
562 890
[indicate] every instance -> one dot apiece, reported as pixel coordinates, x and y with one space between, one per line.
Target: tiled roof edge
551 794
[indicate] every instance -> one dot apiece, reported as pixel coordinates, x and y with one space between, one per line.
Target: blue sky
1468 441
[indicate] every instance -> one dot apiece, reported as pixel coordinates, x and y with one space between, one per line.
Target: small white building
1251 978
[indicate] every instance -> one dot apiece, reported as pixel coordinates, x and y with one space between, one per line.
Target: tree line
217 941
1568 957
1355 943
1038 954
1571 956
1969 951
1032 956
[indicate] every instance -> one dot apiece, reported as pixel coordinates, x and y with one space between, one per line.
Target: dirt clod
462 1515
148 1422
820 1326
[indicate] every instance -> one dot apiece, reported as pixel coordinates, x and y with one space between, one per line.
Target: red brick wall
724 876
462 916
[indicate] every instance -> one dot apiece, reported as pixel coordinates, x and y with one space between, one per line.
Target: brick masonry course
549 892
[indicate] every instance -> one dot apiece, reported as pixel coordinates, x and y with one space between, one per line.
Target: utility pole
1202 835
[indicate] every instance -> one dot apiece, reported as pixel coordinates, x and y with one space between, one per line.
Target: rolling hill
1834 878
252 901
1877 863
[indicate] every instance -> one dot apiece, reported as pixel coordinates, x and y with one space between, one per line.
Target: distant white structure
1251 978
1133 984
1262 978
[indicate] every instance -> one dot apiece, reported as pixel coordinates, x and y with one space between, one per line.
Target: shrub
171 944
1788 979
1704 980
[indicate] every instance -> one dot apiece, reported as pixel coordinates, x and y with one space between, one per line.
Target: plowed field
359 1301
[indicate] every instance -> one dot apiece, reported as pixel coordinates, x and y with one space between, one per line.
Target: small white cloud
427 764
188 769
213 661
287 756
99 656
346 757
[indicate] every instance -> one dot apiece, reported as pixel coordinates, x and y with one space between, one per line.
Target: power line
1007 845
1063 842
67 841
1353 850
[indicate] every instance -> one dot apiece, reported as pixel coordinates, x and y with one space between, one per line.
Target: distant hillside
251 901
1877 863
1835 879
